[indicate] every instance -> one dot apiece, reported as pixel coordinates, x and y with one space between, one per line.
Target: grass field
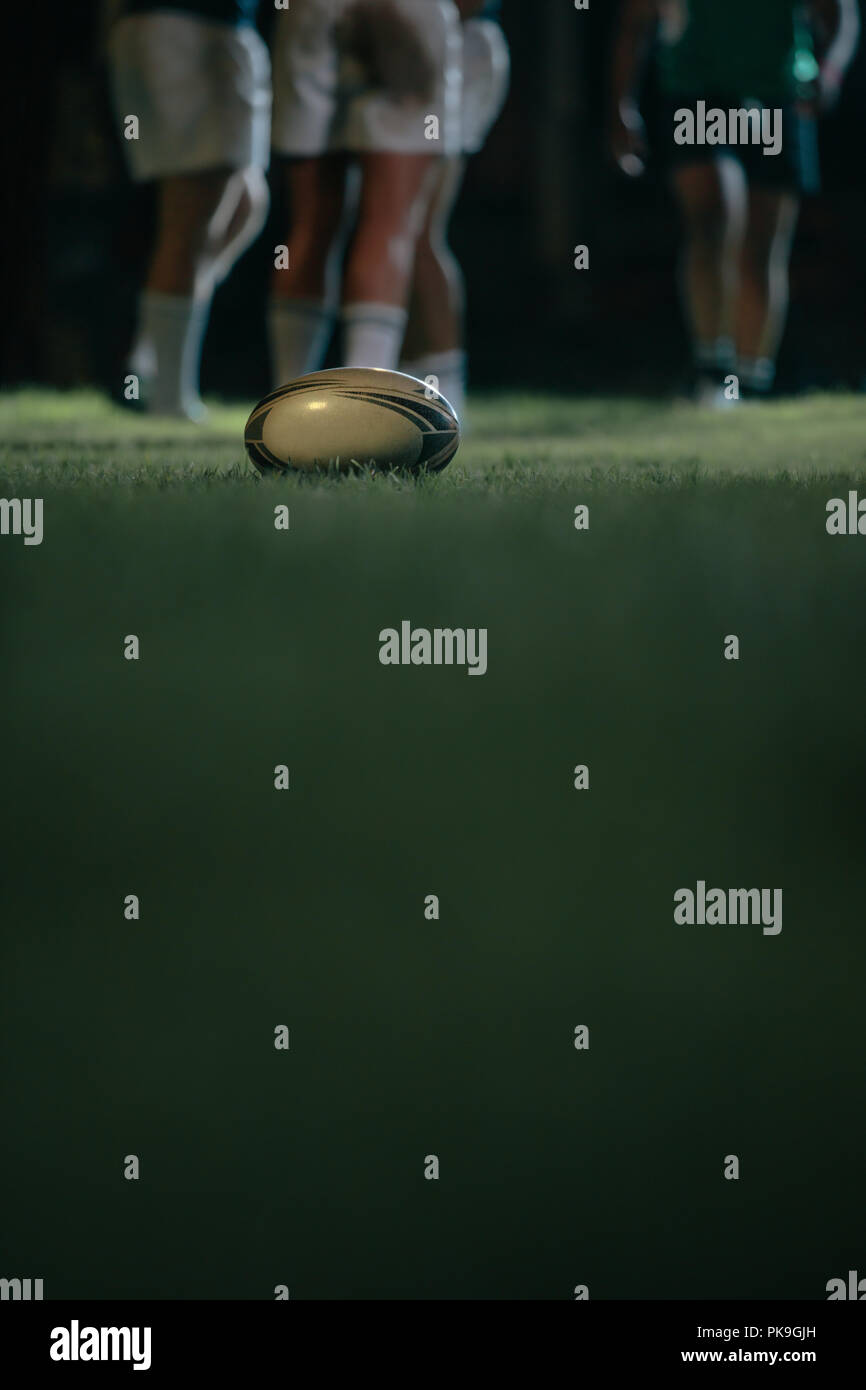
306 908
517 444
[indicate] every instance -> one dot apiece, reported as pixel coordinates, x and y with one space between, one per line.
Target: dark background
455 1037
77 231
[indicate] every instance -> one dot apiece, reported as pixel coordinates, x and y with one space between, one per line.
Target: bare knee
187 206
391 248
396 191
706 231
712 201
385 246
315 193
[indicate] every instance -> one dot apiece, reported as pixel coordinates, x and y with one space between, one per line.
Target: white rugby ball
353 417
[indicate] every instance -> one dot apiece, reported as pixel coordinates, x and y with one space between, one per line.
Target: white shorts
200 89
326 99
486 75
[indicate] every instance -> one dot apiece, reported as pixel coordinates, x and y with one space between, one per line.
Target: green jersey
741 48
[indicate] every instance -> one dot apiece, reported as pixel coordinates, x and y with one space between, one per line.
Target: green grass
516 445
306 908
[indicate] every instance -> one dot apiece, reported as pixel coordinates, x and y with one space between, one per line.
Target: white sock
299 331
715 355
448 369
373 334
168 352
757 373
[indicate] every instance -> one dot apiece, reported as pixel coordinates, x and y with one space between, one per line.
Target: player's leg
314 183
434 345
332 95
239 221
776 187
305 292
401 120
205 221
433 342
316 194
762 302
200 90
712 198
194 212
395 193
175 303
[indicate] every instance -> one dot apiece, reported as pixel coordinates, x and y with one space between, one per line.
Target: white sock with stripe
168 349
299 331
373 335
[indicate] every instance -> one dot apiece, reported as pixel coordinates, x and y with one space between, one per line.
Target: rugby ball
353 418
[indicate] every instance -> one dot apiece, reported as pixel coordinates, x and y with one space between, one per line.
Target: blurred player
376 85
197 77
739 206
434 344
